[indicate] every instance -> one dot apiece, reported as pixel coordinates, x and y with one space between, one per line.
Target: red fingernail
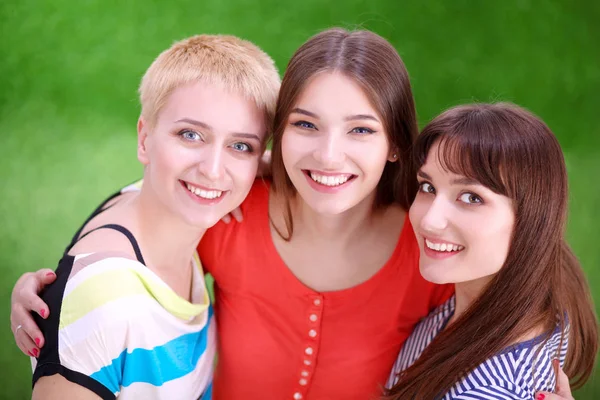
43 313
37 341
50 274
540 396
30 354
35 352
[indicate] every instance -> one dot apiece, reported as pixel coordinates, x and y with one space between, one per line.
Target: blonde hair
239 65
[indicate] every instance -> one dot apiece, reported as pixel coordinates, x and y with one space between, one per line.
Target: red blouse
279 339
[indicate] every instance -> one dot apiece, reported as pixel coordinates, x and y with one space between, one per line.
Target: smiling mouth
208 194
331 180
443 247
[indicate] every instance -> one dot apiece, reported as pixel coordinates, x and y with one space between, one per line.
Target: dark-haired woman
490 217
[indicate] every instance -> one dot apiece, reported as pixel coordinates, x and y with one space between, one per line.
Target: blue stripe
156 366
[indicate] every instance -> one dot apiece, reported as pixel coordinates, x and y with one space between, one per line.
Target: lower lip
439 255
327 189
202 200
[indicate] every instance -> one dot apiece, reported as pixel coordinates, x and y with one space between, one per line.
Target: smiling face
201 156
463 228
334 147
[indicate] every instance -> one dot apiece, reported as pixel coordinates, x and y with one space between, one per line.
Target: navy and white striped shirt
515 373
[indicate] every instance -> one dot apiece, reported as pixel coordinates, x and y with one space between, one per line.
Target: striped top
515 373
117 329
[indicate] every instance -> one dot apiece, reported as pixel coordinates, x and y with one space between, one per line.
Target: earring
394 156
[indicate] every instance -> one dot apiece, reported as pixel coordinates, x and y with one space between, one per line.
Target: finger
563 388
226 219
45 277
237 214
29 299
25 344
28 327
550 396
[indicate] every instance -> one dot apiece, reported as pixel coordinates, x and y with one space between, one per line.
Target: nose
435 217
212 166
330 151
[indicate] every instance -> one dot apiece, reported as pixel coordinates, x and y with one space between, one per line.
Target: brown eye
426 187
470 198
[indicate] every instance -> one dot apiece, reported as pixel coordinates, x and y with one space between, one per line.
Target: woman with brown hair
318 287
490 217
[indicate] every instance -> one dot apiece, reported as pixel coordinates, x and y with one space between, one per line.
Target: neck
467 293
329 228
167 242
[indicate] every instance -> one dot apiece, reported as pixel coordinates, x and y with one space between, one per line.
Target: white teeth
443 246
206 194
329 180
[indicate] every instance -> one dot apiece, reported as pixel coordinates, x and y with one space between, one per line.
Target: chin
328 207
434 275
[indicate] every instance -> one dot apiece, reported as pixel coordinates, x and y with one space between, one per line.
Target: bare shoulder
107 239
59 388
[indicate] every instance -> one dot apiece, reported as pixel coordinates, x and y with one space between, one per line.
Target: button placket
311 347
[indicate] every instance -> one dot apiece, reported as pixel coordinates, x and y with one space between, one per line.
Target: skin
454 210
338 241
205 136
449 208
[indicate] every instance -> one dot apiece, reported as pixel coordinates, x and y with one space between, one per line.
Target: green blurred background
69 71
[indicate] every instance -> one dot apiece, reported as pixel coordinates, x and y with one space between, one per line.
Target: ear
142 136
393 156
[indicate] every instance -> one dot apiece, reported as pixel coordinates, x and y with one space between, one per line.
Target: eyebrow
457 181
361 116
304 112
356 117
208 127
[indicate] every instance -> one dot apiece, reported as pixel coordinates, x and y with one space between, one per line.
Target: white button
309 350
312 333
303 382
313 317
306 362
297 396
304 373
317 302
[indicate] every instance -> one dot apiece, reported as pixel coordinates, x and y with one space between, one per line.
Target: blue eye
361 130
426 187
470 198
242 147
304 125
190 135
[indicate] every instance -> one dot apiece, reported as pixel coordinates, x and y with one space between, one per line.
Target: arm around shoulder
57 387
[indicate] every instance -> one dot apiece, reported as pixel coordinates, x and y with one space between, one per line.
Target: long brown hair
541 284
375 65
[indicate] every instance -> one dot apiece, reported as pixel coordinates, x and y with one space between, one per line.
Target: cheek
292 147
243 172
493 245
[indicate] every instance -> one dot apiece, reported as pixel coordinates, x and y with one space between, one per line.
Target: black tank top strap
124 231
102 207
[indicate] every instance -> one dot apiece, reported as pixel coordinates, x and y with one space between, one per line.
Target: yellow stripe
122 282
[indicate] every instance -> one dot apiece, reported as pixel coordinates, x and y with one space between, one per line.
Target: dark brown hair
541 284
375 65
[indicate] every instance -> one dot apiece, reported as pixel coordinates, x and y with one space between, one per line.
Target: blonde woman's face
201 157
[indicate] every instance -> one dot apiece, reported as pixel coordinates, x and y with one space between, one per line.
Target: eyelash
308 125
183 133
471 194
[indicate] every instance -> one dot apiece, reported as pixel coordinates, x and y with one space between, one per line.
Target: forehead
335 94
216 106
